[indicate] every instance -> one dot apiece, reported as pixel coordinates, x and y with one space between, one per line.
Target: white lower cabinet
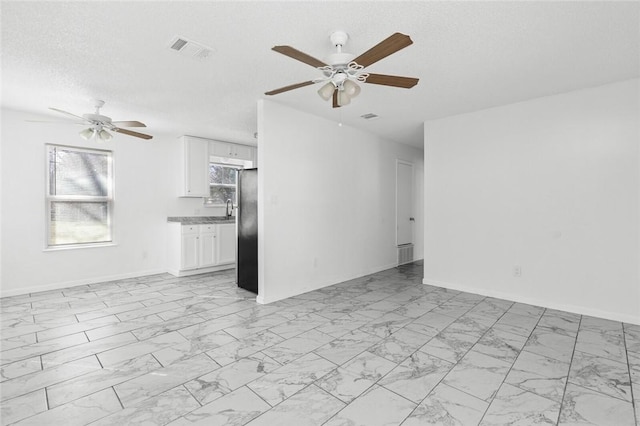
208 246
226 243
190 250
195 249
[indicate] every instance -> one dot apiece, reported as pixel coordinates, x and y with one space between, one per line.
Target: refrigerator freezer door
247 217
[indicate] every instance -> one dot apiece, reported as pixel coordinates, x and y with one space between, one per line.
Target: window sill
79 246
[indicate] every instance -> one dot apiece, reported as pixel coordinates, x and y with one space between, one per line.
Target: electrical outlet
517 271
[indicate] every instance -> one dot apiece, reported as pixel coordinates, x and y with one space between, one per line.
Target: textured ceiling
468 56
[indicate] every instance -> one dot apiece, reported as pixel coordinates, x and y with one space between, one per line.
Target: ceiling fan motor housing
96 118
339 59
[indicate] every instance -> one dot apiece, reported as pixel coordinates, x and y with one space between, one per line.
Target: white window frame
49 198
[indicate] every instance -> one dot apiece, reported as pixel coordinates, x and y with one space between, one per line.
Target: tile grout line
601 393
396 393
117 396
46 397
99 362
566 384
193 396
636 410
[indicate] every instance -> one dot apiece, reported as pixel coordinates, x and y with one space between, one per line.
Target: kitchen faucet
229 211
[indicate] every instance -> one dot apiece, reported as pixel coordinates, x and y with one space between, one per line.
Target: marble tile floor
378 350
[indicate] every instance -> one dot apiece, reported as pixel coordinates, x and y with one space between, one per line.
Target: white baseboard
75 283
262 299
580 310
188 272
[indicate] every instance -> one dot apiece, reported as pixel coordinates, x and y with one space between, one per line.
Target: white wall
326 202
552 185
140 210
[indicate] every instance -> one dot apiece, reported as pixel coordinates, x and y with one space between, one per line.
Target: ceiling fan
343 70
99 124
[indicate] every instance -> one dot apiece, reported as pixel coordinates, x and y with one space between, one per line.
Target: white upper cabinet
220 149
231 150
196 167
243 152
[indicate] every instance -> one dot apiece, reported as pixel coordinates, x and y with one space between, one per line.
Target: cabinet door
208 249
226 246
242 152
196 167
221 149
190 256
208 254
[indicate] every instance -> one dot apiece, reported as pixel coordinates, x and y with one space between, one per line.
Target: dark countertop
197 220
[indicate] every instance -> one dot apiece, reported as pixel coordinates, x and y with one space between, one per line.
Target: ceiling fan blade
392 80
131 133
335 98
299 56
291 87
67 113
57 122
128 124
383 49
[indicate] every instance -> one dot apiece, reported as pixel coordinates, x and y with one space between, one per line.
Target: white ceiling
468 56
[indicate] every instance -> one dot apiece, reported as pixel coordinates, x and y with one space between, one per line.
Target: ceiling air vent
190 48
369 116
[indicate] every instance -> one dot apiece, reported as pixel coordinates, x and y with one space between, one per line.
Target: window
79 196
223 176
222 183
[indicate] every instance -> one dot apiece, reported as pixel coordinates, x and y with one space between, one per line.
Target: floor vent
405 254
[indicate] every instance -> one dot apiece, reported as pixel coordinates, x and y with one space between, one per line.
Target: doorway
404 203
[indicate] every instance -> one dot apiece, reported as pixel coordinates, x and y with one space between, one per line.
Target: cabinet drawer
208 228
190 229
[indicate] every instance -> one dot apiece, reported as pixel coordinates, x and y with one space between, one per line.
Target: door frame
413 182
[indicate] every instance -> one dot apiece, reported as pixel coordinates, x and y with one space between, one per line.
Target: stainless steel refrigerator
247 229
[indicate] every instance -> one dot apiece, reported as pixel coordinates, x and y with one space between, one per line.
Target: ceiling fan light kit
98 134
87 134
343 71
327 90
